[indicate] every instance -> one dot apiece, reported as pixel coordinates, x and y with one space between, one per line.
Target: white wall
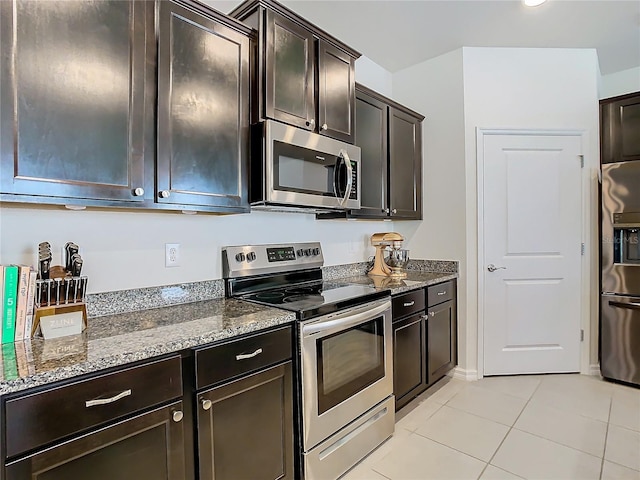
435 89
373 76
125 249
492 88
620 83
532 89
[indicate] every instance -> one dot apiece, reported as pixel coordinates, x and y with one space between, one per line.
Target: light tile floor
547 427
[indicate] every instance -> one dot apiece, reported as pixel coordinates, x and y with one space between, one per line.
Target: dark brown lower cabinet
146 446
408 364
245 427
442 340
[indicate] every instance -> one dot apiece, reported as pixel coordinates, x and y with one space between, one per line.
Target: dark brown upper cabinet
289 73
125 104
620 128
72 83
203 110
405 164
390 139
305 77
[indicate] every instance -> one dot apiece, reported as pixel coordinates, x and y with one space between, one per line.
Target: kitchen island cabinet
305 77
619 127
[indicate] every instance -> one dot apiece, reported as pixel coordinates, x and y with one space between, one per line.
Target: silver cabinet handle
394 211
138 192
206 404
409 304
432 314
492 268
442 293
177 416
311 123
105 401
164 194
325 126
244 356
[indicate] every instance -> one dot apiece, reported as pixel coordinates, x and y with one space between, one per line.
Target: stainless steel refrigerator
620 257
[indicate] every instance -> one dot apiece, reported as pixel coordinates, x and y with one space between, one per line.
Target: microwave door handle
627 305
347 162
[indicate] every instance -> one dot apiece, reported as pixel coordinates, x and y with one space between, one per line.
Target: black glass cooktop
312 300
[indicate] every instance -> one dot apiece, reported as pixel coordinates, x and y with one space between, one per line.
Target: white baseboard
594 369
462 374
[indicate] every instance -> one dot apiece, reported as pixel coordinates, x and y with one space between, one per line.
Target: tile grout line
606 438
511 427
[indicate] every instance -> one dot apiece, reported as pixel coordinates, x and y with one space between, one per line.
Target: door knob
492 268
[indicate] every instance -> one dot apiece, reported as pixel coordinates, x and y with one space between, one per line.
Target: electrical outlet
172 255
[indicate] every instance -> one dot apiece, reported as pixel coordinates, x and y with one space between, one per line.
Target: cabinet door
289 72
371 137
620 127
441 340
409 376
145 446
405 165
336 92
203 111
72 89
245 428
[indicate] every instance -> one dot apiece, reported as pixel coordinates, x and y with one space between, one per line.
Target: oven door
346 368
306 169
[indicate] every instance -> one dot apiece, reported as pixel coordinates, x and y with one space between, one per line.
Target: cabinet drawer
440 293
220 362
44 417
407 303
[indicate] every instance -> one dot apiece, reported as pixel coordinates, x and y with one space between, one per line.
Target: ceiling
399 33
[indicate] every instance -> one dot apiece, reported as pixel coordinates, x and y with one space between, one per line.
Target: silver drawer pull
409 304
244 356
105 401
442 293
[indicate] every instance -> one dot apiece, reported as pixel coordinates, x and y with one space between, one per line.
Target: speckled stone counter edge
123 301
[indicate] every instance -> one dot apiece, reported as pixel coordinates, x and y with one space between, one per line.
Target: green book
10 362
10 300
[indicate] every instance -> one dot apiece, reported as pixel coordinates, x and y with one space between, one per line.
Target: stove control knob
308 252
251 256
316 251
240 257
300 252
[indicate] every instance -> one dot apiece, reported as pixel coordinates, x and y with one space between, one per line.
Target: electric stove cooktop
315 299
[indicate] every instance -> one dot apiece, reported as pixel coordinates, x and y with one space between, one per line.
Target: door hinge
582 335
581 160
582 247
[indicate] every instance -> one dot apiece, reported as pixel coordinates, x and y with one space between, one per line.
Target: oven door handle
628 305
344 321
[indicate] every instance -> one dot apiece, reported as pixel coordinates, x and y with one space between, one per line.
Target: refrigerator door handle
629 305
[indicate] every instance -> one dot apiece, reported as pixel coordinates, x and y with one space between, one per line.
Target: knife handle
76 267
45 263
71 249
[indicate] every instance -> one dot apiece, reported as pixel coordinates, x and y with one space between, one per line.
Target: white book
31 293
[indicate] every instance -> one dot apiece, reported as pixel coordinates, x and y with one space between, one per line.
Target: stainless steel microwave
292 167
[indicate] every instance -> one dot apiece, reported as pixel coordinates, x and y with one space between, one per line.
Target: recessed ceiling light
533 3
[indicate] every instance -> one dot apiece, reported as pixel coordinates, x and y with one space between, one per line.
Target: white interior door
532 234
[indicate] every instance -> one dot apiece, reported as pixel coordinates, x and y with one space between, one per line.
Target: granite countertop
415 280
124 338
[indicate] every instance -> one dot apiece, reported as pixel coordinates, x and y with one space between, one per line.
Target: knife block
59 320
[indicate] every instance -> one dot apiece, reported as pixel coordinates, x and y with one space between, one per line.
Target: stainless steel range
344 340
